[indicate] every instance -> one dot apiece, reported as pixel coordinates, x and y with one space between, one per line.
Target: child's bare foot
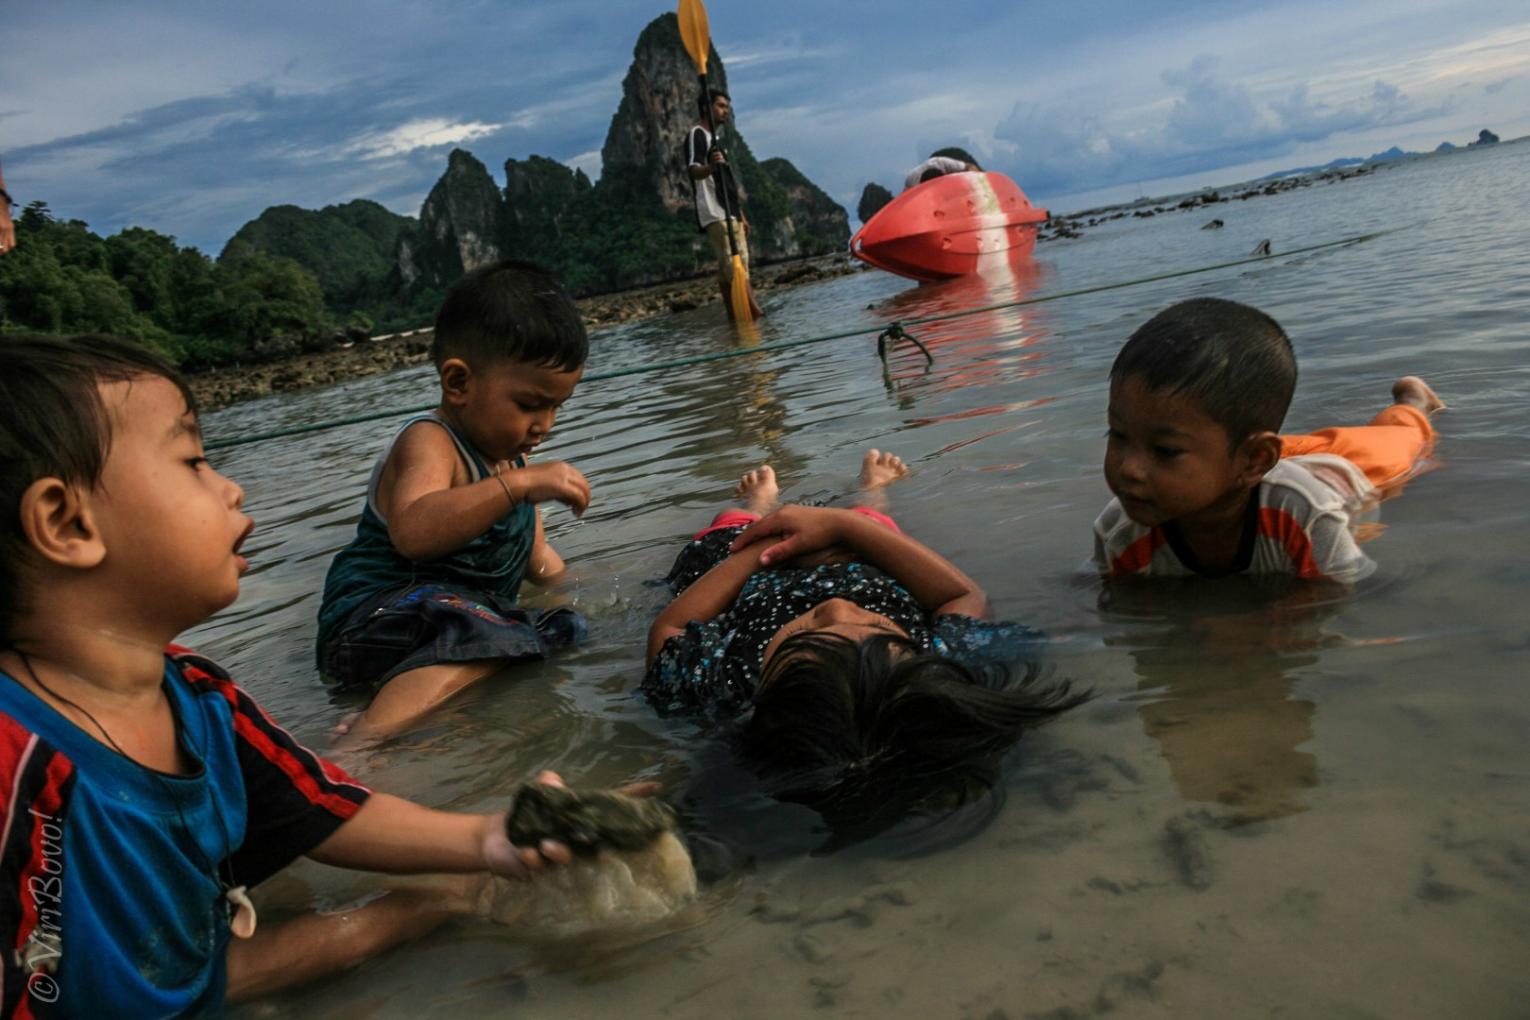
878 471
758 491
1412 390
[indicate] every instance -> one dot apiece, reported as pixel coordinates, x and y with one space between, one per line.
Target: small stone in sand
1186 846
811 949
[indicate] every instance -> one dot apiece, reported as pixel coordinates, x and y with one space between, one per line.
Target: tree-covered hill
62 278
347 247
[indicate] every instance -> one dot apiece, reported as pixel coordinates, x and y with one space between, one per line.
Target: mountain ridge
1484 137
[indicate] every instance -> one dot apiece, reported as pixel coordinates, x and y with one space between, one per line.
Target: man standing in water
715 189
7 227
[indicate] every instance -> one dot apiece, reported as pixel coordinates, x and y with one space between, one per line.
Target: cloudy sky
191 117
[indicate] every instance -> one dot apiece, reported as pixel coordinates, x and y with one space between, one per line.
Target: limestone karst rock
635 225
463 225
873 198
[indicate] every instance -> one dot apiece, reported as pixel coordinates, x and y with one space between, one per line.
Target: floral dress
712 667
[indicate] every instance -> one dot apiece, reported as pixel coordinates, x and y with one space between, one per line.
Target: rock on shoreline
1074 224
232 384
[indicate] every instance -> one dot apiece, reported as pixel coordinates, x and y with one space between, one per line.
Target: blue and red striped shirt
112 875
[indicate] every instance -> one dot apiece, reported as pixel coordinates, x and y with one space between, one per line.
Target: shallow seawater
1319 811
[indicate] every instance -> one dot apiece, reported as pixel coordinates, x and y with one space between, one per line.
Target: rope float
886 337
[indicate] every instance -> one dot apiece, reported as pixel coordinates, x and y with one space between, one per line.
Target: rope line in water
781 345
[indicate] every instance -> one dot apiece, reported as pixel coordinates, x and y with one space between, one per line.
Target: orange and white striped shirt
1300 522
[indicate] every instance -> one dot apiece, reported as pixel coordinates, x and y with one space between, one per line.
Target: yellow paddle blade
738 294
694 33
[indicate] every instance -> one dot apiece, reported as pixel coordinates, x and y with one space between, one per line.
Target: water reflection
1011 281
732 402
762 412
1235 711
1218 669
998 349
968 349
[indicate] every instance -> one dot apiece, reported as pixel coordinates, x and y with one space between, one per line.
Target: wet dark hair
956 152
931 174
55 426
871 727
510 311
1233 360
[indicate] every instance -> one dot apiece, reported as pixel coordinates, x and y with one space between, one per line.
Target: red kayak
950 226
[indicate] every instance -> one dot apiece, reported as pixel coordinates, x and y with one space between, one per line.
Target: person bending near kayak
1203 483
950 160
422 603
142 791
715 189
846 650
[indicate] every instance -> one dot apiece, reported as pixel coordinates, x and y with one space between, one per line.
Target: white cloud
1213 121
778 52
590 162
427 133
1212 110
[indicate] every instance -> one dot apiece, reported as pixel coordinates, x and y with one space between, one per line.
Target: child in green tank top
421 603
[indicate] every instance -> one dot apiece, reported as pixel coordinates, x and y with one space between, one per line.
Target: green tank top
494 562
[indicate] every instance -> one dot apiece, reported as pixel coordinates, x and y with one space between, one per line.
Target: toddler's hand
552 480
504 858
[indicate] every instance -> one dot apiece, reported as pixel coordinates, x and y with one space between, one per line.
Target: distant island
1484 137
1072 225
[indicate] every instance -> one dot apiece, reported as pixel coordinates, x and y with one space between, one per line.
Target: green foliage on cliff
351 250
598 237
803 198
62 278
346 247
541 196
873 198
620 237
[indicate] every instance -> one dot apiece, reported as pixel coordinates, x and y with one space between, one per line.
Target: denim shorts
424 624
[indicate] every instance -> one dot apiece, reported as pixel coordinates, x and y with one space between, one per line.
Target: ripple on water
1256 781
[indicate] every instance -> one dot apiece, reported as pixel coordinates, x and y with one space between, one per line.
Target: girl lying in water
843 648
